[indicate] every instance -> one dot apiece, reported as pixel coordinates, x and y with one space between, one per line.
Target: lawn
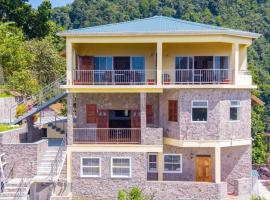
6 127
4 95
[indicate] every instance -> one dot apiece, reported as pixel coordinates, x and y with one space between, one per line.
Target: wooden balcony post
70 119
159 63
217 165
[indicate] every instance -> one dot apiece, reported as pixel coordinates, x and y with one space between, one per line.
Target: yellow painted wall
243 57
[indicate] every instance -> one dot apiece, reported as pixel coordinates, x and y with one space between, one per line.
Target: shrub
20 110
258 198
135 194
122 195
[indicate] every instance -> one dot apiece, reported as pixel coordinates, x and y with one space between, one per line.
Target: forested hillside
250 15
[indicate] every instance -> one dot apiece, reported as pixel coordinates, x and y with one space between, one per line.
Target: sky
55 3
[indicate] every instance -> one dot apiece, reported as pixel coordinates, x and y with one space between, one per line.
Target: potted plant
151 81
166 78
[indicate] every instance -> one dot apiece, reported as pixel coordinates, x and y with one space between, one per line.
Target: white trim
90 176
148 163
181 163
119 176
199 107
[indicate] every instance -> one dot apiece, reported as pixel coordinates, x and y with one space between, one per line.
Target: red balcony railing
114 77
196 76
107 136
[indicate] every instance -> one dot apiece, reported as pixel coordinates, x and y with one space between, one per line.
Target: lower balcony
107 135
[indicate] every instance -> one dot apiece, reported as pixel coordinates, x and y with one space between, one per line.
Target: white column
217 165
235 49
160 160
69 61
159 63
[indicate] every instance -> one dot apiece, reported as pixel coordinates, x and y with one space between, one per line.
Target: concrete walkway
263 191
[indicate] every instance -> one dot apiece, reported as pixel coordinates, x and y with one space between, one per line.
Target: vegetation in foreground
134 194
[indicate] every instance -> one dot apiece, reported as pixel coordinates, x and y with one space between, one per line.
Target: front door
203 169
103 119
135 119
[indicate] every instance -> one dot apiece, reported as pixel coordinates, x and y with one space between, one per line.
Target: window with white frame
152 162
121 167
173 163
90 167
199 111
234 110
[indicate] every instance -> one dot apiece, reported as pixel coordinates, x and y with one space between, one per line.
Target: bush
122 195
258 198
134 194
20 110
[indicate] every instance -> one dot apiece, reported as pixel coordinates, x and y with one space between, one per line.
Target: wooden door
135 119
91 113
103 119
149 114
203 169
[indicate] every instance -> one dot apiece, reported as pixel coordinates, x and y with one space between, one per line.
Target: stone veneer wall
218 126
23 158
235 164
5 105
152 136
106 187
14 136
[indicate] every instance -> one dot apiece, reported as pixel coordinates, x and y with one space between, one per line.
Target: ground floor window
121 167
152 162
173 163
90 167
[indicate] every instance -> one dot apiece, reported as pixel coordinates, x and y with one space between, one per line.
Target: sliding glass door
183 69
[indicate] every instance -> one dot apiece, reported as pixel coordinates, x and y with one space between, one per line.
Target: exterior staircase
47 96
16 188
51 164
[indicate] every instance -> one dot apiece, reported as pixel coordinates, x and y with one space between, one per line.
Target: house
160 103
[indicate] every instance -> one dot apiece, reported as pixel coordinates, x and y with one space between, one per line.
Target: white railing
107 135
114 77
196 76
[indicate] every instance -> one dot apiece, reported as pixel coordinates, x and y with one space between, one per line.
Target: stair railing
55 166
47 92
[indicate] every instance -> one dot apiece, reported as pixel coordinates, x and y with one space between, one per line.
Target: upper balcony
150 65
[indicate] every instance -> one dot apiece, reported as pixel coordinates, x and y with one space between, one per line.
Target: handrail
55 166
45 93
19 192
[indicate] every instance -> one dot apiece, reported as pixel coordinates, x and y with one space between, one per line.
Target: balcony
196 76
114 77
107 136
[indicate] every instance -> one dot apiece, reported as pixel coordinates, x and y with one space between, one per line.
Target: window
173 163
234 110
172 110
152 162
90 167
91 113
103 63
121 167
199 111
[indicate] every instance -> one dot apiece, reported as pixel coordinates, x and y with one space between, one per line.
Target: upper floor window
103 63
90 167
234 110
121 167
172 110
173 163
199 111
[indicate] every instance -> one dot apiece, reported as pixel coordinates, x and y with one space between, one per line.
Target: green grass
4 95
6 127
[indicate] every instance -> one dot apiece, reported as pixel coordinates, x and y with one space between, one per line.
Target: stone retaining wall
23 158
14 136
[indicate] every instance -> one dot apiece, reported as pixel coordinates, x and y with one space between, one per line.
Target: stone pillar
143 116
69 60
160 160
70 119
159 63
217 165
235 50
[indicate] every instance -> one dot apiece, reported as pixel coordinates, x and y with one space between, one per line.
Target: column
159 63
217 165
235 48
160 162
70 119
69 61
143 116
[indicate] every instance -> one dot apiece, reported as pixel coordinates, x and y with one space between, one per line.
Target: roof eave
241 34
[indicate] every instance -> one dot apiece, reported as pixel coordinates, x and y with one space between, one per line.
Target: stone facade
152 136
106 187
14 136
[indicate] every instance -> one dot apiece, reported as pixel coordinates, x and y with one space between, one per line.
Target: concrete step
14 189
12 194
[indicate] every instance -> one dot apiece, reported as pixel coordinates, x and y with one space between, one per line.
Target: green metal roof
156 25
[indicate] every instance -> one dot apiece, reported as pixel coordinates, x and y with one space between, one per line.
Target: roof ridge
115 23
